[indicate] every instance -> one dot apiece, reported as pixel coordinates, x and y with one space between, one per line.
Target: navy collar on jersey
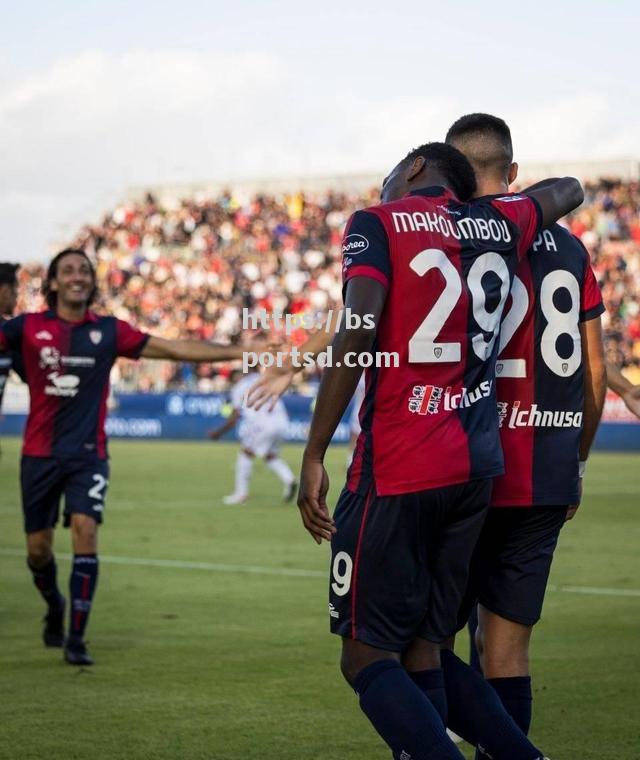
490 196
433 191
89 316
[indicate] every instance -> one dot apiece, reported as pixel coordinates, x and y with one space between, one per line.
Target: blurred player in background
354 420
68 352
8 300
551 386
434 274
260 432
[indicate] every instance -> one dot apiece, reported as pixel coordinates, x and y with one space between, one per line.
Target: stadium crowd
188 270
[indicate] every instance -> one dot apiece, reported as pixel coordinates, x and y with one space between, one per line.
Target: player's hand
263 345
270 387
632 399
214 435
571 512
312 500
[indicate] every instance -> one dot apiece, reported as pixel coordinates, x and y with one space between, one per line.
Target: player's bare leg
503 645
82 584
244 466
43 568
277 465
397 708
40 547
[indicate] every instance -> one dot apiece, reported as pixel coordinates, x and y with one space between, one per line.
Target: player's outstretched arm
595 387
628 392
218 432
275 380
190 350
364 297
556 197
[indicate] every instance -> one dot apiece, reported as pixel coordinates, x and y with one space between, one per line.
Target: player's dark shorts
512 561
45 480
399 564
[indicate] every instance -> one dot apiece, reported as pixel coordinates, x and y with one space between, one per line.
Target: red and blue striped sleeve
591 304
130 342
11 334
524 211
365 249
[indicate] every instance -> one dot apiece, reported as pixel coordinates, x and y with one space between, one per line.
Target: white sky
97 96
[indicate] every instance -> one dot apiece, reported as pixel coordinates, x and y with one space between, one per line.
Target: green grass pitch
226 662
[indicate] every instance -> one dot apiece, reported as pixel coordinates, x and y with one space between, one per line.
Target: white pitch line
595 590
292 572
178 564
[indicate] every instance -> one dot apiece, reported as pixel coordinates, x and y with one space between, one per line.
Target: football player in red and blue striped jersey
68 352
550 390
434 273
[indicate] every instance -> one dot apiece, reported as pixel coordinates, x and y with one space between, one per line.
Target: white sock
281 469
244 465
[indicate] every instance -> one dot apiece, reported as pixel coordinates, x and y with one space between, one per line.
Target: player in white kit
354 418
261 432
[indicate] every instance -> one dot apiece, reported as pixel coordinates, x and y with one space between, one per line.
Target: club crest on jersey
354 244
95 336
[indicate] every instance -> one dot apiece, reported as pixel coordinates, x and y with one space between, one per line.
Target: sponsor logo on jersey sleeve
354 244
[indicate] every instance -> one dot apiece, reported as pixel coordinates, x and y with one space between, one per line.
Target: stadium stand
187 267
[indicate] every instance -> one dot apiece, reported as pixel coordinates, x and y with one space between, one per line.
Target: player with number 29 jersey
540 373
431 421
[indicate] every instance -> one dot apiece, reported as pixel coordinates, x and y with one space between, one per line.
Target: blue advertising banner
185 416
189 416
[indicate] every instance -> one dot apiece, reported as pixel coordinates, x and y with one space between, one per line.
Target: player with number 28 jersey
540 373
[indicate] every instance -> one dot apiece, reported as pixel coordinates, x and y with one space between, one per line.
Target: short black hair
491 149
52 272
451 163
8 273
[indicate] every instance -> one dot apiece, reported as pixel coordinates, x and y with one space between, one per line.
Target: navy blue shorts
512 561
44 481
399 564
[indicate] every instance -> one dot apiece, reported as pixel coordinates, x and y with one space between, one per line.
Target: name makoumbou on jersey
466 228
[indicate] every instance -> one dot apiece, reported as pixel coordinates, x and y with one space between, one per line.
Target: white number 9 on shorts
341 571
